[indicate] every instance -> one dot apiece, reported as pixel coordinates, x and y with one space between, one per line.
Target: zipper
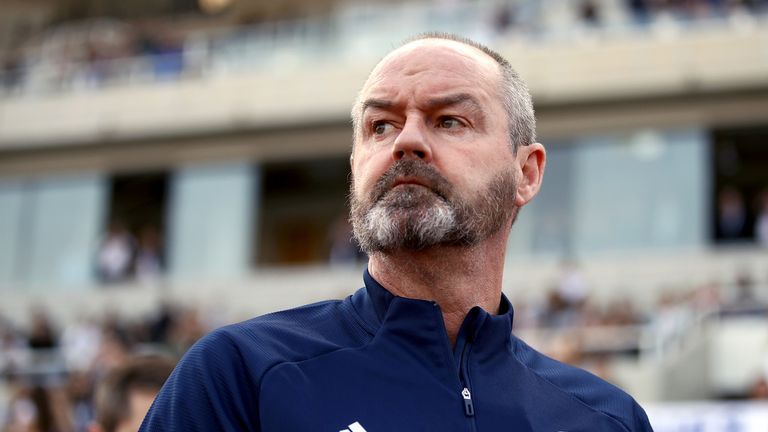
460 354
469 409
466 394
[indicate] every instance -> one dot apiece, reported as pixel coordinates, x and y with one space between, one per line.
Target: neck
457 278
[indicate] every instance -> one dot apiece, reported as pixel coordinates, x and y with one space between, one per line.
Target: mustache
425 173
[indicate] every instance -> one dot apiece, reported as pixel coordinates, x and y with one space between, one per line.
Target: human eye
449 122
381 127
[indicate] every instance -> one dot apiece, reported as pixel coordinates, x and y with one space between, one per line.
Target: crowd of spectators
91 54
569 325
598 13
643 10
101 51
49 375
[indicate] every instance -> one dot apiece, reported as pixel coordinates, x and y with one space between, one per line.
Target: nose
412 142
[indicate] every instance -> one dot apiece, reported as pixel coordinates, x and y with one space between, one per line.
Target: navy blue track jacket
375 362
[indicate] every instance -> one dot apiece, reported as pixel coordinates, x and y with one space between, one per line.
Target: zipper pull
469 409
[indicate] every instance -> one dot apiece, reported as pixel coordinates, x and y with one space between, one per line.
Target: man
126 393
443 158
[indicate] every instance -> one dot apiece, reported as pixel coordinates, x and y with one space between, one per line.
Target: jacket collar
378 307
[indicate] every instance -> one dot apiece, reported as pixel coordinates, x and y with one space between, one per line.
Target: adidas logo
354 427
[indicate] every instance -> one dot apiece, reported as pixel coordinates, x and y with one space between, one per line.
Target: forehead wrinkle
454 100
457 99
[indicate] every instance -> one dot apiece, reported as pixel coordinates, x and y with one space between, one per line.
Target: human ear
531 159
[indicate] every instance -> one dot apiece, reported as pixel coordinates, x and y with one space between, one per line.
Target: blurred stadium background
170 166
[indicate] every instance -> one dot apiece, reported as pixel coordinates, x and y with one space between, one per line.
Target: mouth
416 181
403 181
411 173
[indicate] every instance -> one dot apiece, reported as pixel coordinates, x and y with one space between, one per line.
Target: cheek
364 189
366 171
484 167
361 186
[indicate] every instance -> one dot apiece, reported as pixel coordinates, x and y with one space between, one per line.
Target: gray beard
413 217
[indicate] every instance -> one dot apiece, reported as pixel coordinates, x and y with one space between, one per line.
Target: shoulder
584 386
289 335
216 384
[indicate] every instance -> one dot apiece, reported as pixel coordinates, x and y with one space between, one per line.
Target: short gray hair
515 96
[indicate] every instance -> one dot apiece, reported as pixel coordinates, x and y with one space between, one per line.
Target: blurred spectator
187 329
80 344
149 257
554 308
589 13
745 284
22 411
126 393
11 72
13 348
80 397
566 348
42 335
621 313
731 214
572 287
36 409
528 315
640 11
504 17
167 53
160 326
670 320
759 389
566 303
745 300
116 255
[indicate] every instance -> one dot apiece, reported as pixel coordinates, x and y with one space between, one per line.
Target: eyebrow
376 103
443 101
455 99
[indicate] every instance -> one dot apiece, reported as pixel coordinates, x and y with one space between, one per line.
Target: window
132 244
303 212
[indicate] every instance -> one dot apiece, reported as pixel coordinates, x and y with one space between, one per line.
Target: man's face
431 163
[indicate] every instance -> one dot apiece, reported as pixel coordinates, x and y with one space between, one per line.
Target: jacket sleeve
210 389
